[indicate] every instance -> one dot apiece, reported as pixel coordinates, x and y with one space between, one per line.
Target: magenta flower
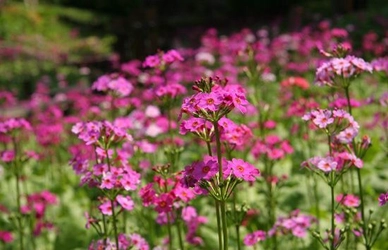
108 180
205 170
106 208
6 236
126 202
185 194
151 61
255 237
383 199
113 82
189 213
172 56
243 170
348 200
329 72
164 203
7 156
14 124
327 164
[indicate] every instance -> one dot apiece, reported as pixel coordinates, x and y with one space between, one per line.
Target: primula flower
212 102
7 155
164 203
335 121
255 237
6 236
383 199
348 200
330 73
327 164
114 83
296 223
205 170
106 208
272 147
14 124
126 202
243 170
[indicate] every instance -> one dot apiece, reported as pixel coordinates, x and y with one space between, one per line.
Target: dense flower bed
255 140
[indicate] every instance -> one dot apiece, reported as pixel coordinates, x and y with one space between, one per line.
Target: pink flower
164 203
205 170
188 213
255 237
185 194
383 199
151 61
243 170
108 181
327 164
348 200
106 208
126 202
172 56
323 119
6 236
7 156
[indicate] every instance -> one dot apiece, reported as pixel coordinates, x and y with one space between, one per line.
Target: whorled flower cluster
212 101
335 122
332 72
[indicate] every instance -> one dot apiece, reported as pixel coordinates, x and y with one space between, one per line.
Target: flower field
256 140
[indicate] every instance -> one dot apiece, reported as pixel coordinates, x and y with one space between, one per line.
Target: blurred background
77 40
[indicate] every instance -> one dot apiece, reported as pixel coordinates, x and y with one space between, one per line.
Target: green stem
361 193
238 237
332 245
224 225
219 227
179 231
237 226
317 205
169 232
105 229
209 149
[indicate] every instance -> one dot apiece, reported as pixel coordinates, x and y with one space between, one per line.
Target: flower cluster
348 200
255 237
13 124
233 134
272 147
212 101
296 223
114 83
207 170
162 58
380 65
332 72
383 199
335 122
93 132
339 162
37 204
131 241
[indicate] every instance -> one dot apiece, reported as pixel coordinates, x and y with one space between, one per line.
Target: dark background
143 26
